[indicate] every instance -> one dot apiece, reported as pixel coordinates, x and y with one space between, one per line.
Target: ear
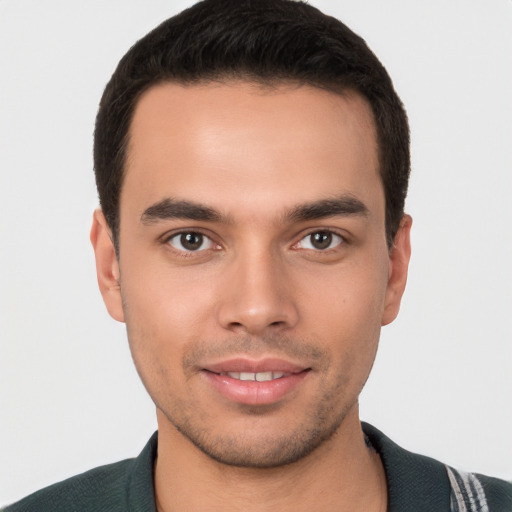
399 256
107 265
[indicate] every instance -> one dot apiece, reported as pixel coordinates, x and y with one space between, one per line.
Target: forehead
239 143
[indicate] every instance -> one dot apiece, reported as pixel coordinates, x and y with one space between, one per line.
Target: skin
257 287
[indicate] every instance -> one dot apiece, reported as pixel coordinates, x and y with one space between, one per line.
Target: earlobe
107 265
399 256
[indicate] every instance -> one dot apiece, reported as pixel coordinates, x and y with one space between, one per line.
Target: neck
343 474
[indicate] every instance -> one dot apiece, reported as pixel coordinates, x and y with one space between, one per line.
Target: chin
259 447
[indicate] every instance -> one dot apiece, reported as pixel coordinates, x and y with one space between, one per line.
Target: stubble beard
270 447
265 446
271 451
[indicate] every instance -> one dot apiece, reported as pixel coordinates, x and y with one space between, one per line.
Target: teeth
259 377
263 376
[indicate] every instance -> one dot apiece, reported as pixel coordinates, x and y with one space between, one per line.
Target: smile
257 377
255 382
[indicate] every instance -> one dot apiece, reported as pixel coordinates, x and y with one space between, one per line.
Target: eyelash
213 245
330 233
188 253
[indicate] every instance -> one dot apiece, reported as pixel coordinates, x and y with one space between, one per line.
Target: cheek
345 312
160 297
156 336
350 298
165 312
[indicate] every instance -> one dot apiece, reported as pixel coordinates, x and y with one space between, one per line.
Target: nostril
254 317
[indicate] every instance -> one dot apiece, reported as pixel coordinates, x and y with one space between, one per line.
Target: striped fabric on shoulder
467 493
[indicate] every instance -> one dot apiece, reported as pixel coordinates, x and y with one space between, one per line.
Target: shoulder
475 492
422 484
100 486
118 487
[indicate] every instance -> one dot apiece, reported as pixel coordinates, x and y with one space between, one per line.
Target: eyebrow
345 205
172 209
168 208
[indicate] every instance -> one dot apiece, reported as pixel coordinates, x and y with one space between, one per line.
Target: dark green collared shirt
415 484
125 486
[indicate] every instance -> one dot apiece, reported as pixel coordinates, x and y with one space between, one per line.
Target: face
254 274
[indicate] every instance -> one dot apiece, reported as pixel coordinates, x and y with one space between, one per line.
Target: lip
241 364
253 392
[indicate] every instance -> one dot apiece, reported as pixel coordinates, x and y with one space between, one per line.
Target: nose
257 296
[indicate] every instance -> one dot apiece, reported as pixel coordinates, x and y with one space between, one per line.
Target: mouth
255 382
256 377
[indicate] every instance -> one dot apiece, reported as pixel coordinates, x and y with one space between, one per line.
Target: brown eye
190 241
320 241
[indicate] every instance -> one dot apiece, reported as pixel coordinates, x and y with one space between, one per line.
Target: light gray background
442 385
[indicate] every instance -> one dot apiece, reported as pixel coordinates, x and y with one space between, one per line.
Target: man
252 163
